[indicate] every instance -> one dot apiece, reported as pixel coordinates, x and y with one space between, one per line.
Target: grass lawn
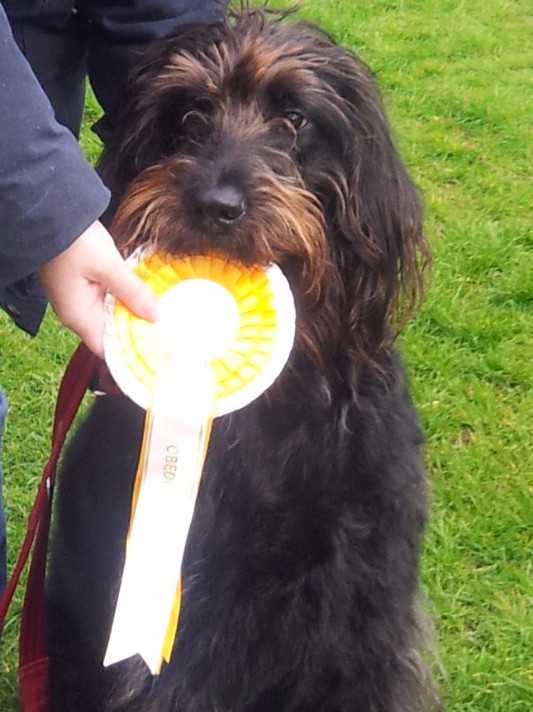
457 80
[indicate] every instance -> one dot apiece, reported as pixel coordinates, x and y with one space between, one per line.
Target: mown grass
456 77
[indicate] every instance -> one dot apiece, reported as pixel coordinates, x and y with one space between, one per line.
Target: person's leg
3 549
120 29
55 45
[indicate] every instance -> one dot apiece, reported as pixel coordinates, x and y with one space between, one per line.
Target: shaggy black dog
263 140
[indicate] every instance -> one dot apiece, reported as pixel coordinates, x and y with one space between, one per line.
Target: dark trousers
67 40
56 48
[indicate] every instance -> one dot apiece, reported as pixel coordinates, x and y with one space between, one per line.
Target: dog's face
266 142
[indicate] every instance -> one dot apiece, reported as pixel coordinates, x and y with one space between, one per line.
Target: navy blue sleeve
49 194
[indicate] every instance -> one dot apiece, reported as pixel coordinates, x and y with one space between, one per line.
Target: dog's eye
296 118
198 115
194 118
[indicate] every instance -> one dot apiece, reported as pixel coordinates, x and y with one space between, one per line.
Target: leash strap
33 663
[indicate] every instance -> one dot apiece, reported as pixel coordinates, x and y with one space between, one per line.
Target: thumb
128 288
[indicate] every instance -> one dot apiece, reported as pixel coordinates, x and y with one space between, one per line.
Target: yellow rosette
238 318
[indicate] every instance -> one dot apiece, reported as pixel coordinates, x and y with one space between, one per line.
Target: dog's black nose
223 205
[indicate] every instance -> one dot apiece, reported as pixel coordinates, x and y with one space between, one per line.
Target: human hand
76 280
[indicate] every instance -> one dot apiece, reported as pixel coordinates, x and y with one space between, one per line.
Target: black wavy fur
264 140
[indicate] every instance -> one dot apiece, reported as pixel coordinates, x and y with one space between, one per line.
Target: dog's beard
283 224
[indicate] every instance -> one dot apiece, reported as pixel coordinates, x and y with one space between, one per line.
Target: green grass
457 81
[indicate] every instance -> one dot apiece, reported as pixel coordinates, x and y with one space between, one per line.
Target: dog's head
265 141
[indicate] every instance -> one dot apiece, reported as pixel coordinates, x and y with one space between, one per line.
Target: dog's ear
375 212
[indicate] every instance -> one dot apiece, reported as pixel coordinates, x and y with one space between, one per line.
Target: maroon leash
33 662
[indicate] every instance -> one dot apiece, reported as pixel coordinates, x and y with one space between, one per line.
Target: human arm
49 197
49 194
